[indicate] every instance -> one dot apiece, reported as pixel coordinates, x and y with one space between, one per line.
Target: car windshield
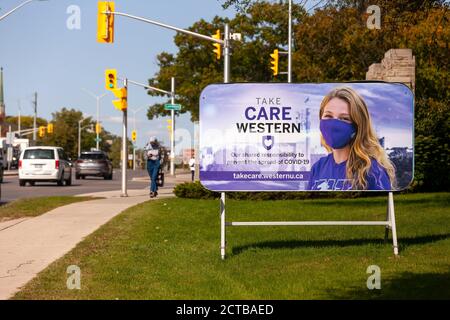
39 154
92 156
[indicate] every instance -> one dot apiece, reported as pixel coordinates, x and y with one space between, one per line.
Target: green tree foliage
65 133
331 43
26 122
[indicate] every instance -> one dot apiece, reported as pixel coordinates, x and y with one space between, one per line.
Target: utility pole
35 115
18 120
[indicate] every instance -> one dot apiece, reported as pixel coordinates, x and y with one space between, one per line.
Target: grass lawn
169 249
33 207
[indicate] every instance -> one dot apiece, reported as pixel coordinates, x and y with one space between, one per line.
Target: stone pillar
398 65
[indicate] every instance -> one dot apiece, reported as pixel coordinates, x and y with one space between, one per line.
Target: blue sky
39 53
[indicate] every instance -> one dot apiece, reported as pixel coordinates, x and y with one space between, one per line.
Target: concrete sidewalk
29 245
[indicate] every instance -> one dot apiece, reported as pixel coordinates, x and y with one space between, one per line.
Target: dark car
93 163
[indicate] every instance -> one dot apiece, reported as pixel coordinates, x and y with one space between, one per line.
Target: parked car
93 163
44 164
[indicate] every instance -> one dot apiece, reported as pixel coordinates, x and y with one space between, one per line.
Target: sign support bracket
389 224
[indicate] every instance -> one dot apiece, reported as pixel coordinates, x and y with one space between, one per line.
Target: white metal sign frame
389 224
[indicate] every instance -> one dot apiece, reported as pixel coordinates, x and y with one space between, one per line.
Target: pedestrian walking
153 156
192 167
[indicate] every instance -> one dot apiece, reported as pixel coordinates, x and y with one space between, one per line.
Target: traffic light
105 22
50 128
133 135
169 127
274 62
98 128
110 79
120 104
41 131
217 46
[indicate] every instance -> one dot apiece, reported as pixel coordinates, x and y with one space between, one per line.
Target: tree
264 28
65 133
331 43
26 122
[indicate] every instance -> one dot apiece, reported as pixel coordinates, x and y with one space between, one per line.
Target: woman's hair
365 145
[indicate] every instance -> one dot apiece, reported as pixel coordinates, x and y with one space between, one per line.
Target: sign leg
222 225
388 219
393 225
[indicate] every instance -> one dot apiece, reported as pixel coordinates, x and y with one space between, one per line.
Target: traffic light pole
195 34
226 79
172 130
124 147
172 115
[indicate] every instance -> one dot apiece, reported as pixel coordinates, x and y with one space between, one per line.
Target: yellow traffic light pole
226 78
170 93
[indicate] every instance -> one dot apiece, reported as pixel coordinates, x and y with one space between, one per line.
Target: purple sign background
266 137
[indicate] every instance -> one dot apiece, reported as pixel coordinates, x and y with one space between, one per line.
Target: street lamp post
79 135
134 129
97 140
16 8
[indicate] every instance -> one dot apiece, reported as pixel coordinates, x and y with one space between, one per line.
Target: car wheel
83 177
69 181
22 183
110 176
106 176
60 182
31 183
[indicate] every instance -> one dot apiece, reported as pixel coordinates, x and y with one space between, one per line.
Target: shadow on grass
407 285
294 244
436 200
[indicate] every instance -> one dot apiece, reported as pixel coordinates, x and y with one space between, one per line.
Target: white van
44 164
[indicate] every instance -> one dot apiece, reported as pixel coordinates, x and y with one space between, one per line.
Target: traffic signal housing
98 128
133 135
50 128
275 57
120 104
105 22
169 127
41 131
110 79
217 46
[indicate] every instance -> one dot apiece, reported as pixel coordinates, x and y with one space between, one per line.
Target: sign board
176 107
98 139
302 137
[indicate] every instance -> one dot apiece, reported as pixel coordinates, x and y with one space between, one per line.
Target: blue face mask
337 133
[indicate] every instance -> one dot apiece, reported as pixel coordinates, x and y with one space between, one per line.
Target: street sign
169 106
98 139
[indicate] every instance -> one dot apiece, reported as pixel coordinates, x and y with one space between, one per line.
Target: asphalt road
12 191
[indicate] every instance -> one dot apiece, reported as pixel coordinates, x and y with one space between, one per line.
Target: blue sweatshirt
326 174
